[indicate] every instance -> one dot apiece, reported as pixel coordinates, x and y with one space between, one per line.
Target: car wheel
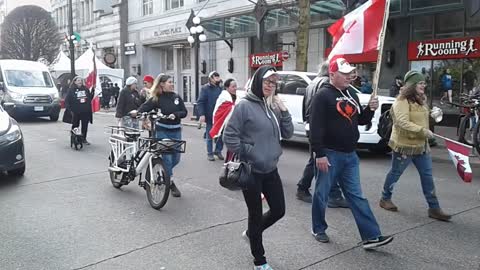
54 117
17 172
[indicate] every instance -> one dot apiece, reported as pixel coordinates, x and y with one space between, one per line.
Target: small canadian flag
459 153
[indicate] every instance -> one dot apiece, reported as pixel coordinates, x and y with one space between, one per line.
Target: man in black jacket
336 199
128 100
335 116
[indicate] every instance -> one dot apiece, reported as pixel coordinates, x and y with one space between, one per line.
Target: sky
12 4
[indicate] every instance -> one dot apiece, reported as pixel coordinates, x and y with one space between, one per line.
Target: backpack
385 125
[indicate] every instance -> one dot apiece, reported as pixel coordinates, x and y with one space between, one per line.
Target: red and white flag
359 31
459 153
92 81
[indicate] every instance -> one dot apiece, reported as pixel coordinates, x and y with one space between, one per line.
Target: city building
101 23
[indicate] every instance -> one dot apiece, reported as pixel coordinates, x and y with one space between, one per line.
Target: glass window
421 4
172 4
23 78
395 6
281 18
147 7
449 24
240 26
288 84
170 59
214 28
187 63
422 27
472 25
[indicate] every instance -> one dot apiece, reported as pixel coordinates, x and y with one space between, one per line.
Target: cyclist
171 105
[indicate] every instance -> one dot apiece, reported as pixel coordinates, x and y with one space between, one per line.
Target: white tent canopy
83 64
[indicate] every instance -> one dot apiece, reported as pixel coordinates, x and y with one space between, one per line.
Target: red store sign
275 59
453 48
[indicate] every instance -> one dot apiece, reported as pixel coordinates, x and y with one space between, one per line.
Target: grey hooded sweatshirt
254 130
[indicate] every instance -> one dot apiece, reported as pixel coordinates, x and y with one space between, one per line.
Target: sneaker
438 214
378 242
304 195
219 156
321 237
338 203
174 190
262 267
245 236
86 142
388 205
210 158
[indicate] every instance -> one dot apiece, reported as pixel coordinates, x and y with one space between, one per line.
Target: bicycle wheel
466 131
115 177
476 138
158 191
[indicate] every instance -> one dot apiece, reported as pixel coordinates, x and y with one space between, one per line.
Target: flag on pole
359 31
92 81
459 153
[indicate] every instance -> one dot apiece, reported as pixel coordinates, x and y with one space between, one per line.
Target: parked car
12 151
291 89
30 87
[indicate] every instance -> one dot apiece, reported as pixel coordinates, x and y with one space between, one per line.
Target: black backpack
385 125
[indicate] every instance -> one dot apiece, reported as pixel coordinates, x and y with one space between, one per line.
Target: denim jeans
169 160
306 181
344 169
423 163
218 144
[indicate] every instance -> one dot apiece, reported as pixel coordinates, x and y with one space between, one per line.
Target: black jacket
394 90
128 100
334 120
79 99
206 103
168 103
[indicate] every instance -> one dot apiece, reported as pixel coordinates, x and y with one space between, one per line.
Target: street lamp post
71 39
196 36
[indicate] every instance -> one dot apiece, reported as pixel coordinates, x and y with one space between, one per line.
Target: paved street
64 214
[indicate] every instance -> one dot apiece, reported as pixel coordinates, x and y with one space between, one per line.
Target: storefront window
472 25
240 26
214 28
187 63
395 6
449 24
422 27
170 59
281 18
422 4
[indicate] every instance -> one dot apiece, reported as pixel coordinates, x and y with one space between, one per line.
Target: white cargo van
30 87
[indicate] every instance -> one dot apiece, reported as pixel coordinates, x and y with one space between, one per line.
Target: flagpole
376 75
447 139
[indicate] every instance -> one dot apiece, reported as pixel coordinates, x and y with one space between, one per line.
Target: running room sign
275 59
453 48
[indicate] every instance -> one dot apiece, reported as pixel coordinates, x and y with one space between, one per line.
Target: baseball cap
148 78
269 73
130 81
213 74
341 65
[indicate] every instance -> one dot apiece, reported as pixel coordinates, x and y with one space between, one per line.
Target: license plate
38 108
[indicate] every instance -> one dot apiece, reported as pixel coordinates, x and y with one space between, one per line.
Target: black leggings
84 118
270 185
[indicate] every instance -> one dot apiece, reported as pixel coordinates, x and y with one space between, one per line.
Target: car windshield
28 78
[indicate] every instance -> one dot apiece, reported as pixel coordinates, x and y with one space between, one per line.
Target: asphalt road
64 214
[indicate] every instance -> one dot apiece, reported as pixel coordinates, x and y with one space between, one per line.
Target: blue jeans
423 163
218 144
169 160
344 169
308 175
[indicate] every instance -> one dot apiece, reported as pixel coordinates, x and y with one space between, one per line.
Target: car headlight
16 96
12 135
55 96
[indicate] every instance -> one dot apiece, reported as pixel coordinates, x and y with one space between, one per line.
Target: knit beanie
130 81
413 77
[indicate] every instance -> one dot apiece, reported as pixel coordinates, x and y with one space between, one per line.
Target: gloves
428 133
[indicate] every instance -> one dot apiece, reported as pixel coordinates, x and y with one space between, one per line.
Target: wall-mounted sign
453 48
275 59
167 31
130 49
110 58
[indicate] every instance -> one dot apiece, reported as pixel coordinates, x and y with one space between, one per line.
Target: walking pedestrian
409 142
469 79
223 111
447 85
253 132
116 93
396 85
79 102
335 115
169 103
206 105
147 86
335 199
128 101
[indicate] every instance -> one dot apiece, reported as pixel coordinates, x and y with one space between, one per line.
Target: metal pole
197 73
70 40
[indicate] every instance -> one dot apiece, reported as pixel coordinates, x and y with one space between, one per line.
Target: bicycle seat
132 135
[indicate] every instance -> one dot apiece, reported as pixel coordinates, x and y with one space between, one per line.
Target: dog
76 139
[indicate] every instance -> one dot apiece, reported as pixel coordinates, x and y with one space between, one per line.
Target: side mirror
301 91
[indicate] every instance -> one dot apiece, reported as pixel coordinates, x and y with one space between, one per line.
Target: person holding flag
78 101
409 142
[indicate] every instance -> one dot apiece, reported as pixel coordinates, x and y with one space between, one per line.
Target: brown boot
437 213
388 205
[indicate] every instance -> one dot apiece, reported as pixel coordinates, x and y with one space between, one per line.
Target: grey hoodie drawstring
267 109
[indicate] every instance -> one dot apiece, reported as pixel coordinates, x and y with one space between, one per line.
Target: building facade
101 23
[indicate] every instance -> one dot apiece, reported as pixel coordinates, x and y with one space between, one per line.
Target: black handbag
235 174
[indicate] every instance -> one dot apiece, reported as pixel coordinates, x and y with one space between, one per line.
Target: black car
12 152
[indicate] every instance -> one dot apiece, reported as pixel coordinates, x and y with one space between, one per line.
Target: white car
291 88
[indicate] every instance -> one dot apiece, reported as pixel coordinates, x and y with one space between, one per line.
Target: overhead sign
453 48
275 59
165 31
130 49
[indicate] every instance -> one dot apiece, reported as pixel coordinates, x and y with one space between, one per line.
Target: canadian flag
92 81
459 153
359 31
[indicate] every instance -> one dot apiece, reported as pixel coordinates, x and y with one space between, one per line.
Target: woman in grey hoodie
253 132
